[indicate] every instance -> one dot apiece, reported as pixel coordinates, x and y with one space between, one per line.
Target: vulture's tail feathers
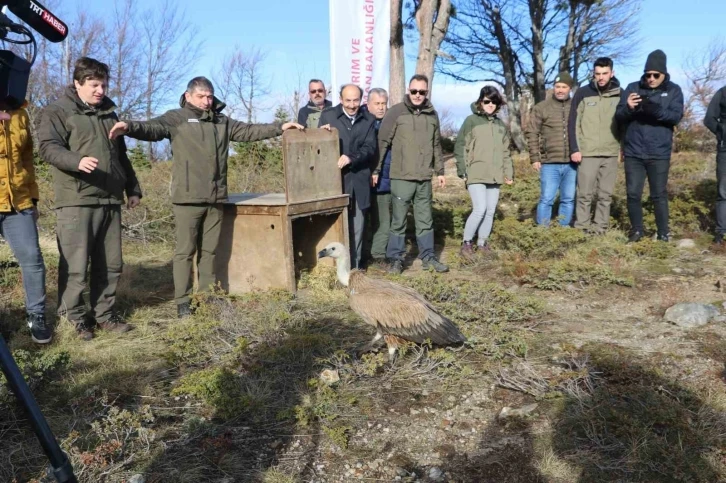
445 332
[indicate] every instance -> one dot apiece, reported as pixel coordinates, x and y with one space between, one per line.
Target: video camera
15 70
14 75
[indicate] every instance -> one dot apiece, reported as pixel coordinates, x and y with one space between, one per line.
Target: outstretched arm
152 130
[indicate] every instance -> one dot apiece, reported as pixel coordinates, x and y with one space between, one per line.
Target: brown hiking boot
115 323
84 330
467 251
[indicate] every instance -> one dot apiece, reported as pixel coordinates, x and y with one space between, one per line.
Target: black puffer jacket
648 129
715 119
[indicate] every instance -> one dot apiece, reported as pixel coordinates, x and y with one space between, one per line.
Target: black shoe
664 238
396 267
39 329
184 310
718 239
431 262
115 323
635 237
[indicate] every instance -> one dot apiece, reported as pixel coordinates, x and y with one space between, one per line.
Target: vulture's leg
392 354
376 343
393 342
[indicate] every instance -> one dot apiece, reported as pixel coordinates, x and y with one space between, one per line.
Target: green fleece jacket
482 149
412 134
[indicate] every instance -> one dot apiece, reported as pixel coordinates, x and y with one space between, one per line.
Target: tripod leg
62 469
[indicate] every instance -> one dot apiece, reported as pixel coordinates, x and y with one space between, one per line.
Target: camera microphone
38 18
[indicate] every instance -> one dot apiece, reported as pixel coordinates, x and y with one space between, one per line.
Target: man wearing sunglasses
309 115
411 131
648 112
715 121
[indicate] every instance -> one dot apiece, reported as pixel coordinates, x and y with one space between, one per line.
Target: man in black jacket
309 114
715 121
647 112
356 128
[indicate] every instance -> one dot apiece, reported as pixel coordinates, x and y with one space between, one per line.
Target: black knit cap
656 62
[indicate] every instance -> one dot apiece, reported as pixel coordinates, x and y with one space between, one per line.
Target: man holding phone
648 112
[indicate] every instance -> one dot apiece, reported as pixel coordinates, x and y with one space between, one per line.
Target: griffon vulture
398 313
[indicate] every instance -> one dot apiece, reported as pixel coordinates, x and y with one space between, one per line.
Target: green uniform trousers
88 233
198 227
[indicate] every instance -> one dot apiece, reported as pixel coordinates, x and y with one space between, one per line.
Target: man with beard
549 152
595 145
648 112
411 131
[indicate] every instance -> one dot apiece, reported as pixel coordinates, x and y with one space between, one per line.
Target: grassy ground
570 323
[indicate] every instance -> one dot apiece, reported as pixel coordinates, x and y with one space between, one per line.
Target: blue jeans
21 233
554 177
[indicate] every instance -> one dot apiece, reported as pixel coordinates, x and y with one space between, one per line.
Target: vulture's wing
400 311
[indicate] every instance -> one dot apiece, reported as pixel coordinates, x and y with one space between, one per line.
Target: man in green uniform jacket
200 135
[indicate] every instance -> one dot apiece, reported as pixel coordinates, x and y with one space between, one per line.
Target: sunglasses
654 75
415 92
487 102
317 91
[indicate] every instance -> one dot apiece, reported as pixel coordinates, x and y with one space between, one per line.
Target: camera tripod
62 469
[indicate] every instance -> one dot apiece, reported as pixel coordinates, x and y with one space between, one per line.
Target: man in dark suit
356 128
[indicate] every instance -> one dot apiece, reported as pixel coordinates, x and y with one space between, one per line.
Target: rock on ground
690 315
686 243
508 412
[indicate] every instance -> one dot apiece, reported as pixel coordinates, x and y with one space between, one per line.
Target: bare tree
121 52
85 39
484 52
705 73
432 21
506 42
447 123
542 20
242 81
53 68
168 44
594 28
296 100
397 70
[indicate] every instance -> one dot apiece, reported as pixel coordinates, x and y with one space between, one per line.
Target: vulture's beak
323 253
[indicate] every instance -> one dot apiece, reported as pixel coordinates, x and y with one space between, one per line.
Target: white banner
359 44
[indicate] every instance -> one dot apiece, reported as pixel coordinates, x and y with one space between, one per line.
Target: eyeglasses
487 102
654 75
415 92
317 91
